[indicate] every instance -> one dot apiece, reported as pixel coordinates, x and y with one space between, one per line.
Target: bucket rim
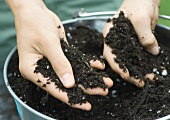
15 48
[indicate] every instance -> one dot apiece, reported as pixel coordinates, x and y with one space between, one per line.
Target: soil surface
124 101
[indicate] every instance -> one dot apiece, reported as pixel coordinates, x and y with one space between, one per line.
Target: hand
38 34
143 14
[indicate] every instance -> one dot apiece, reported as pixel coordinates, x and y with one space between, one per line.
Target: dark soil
124 42
124 101
84 74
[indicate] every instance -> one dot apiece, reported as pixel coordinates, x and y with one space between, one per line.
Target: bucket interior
162 35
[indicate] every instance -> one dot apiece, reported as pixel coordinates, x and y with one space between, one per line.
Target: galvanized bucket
95 20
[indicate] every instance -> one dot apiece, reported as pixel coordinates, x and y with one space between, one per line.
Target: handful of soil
84 74
123 97
124 42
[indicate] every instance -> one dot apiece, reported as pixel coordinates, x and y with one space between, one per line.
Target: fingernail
154 50
67 80
122 77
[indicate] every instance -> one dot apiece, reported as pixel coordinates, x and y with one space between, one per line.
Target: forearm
17 5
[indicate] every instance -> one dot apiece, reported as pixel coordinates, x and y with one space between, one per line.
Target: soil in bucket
124 101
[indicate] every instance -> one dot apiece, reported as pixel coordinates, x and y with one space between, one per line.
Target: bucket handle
81 13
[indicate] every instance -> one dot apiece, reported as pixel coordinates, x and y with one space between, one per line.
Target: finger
150 76
95 91
57 58
144 32
107 28
109 25
84 106
99 91
57 93
60 64
108 82
40 81
109 56
115 66
97 64
139 83
51 48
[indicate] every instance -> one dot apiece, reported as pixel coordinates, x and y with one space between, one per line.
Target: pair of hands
38 35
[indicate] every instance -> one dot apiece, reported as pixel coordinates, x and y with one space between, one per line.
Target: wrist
158 2
18 5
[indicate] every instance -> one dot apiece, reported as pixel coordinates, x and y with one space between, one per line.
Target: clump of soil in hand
124 42
84 74
124 101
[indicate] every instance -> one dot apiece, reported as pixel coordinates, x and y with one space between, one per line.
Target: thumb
147 39
61 65
57 58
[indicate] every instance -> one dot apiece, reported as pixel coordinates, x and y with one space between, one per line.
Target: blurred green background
164 10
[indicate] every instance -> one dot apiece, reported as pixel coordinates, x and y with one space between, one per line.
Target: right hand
38 35
144 15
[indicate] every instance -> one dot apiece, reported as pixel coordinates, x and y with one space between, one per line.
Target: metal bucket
95 21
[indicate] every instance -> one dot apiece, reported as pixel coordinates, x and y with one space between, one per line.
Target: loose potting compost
124 101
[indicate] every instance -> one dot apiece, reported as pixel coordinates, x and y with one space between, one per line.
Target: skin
144 15
38 35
